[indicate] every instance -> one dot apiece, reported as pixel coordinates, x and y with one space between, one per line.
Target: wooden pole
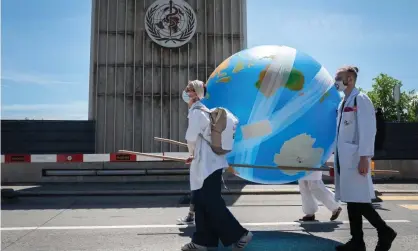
170 141
233 165
154 155
323 168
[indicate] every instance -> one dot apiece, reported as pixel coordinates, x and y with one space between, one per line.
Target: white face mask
340 85
185 97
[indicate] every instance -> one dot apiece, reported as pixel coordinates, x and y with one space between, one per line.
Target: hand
363 166
189 160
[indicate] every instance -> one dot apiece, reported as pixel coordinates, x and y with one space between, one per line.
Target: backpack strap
206 110
213 121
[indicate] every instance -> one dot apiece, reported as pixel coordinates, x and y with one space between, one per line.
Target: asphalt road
149 223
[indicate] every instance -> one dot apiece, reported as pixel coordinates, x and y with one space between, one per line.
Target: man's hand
363 166
189 160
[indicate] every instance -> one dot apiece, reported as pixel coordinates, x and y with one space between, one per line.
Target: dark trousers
355 213
191 208
213 220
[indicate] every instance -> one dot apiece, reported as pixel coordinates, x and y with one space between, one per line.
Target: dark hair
353 69
350 69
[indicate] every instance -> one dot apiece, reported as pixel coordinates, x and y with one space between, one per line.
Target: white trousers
313 190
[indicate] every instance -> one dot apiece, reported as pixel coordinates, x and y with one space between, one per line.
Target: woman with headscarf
213 220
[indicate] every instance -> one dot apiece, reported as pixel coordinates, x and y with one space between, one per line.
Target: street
149 223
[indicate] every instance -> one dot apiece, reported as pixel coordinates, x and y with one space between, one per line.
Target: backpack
223 126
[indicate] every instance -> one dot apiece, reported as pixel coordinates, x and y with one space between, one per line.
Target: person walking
213 220
356 130
312 189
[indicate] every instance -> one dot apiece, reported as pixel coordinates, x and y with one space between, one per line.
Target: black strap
337 166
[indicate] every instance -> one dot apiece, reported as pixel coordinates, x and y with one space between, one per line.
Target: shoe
193 247
336 214
243 242
189 219
308 218
385 240
352 246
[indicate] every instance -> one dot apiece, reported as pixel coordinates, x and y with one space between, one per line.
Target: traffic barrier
122 167
79 158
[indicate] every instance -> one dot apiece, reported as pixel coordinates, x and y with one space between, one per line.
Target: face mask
185 97
340 85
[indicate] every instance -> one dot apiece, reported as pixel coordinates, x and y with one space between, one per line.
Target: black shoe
385 240
352 246
335 214
308 218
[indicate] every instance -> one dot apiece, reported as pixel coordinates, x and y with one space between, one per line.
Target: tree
382 97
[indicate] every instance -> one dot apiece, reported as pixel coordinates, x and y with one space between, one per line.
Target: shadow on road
281 241
379 207
315 228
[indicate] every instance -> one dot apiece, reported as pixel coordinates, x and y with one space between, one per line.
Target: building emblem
170 23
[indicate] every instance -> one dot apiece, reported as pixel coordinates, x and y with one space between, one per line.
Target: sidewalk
173 188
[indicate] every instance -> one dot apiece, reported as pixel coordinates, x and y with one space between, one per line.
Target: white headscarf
198 87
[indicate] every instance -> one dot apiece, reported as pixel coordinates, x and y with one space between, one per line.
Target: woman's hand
189 160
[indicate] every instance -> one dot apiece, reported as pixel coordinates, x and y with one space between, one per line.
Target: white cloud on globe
298 152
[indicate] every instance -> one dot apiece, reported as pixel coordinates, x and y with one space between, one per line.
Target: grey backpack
222 129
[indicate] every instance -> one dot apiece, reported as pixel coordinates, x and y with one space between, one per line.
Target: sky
45 46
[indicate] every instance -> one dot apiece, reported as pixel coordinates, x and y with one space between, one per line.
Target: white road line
263 224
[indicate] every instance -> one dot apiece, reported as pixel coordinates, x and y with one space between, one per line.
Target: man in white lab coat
312 188
213 220
356 130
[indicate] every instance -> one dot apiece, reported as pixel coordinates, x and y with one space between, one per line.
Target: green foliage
382 96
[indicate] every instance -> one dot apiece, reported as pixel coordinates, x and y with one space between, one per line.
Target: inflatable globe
286 104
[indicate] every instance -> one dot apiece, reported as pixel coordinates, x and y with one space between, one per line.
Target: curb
148 192
179 192
397 191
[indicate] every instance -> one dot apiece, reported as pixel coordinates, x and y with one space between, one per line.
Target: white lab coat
205 161
355 138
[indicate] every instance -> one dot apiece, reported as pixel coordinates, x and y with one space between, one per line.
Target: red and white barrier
77 158
88 158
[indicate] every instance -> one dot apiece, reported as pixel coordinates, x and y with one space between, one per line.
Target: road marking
410 206
263 224
394 197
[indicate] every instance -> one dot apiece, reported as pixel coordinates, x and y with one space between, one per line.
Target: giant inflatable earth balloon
286 104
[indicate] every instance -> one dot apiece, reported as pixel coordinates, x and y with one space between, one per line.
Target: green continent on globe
324 96
261 77
238 67
219 70
224 79
295 81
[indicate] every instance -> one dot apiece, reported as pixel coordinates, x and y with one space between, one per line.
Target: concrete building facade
143 52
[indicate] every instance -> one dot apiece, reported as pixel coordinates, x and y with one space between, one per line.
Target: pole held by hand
232 165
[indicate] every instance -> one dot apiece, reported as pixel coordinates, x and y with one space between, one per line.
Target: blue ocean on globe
286 104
